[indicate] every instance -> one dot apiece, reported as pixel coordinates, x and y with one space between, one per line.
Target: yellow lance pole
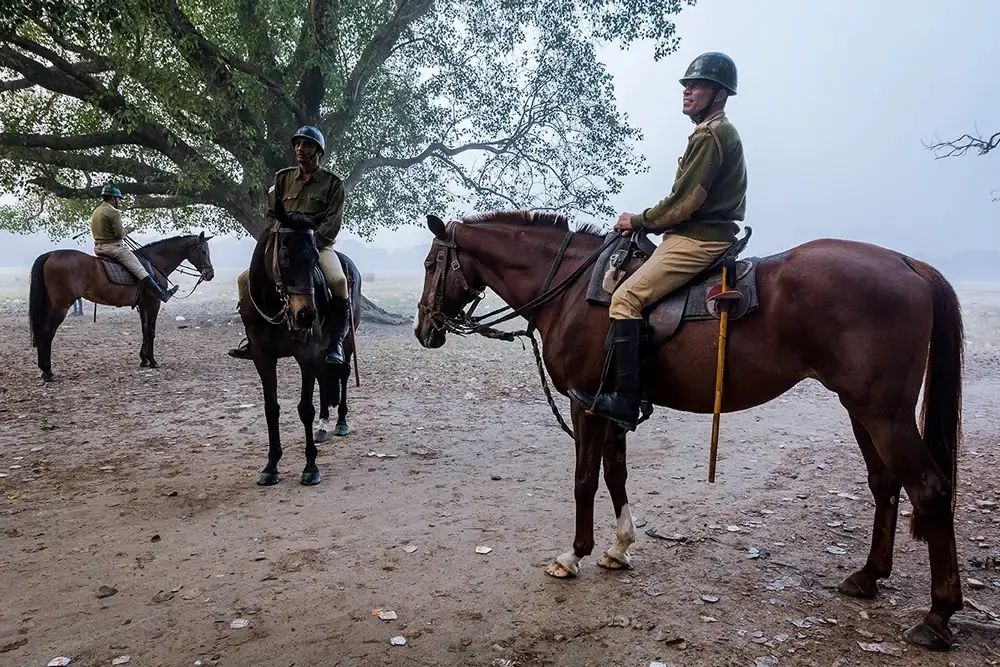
720 368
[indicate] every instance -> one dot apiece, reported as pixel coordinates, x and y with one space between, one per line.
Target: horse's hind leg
885 489
323 426
589 445
615 474
55 318
906 456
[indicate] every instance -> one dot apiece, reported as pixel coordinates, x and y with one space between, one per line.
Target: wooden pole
720 368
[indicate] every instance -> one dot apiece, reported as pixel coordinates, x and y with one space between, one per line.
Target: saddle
698 299
119 275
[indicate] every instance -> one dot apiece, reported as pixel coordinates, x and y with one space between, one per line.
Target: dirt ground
143 482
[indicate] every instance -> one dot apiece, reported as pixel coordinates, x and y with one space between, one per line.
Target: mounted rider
697 219
311 189
109 241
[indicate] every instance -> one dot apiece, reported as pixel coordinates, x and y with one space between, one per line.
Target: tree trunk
371 312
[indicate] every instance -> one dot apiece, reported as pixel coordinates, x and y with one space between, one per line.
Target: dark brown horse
60 277
868 323
284 315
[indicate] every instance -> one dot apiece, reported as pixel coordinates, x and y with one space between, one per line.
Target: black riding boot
621 404
242 351
154 287
341 325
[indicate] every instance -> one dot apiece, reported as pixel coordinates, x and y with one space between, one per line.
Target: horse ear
201 237
279 210
437 227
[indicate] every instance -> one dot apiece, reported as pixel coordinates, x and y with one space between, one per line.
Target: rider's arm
330 226
698 169
269 218
116 223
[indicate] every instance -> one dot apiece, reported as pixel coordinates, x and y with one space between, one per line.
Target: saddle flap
117 273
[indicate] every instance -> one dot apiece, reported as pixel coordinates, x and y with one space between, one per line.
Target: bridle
284 291
466 323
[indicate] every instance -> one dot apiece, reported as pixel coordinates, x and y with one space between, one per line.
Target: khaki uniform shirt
315 193
710 187
106 224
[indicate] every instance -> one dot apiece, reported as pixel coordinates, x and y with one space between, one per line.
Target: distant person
311 189
697 220
109 241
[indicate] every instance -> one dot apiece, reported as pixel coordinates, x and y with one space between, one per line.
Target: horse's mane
535 219
171 239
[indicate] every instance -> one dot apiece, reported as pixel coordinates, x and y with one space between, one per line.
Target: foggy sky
834 100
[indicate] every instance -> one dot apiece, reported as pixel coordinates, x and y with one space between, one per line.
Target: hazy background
834 101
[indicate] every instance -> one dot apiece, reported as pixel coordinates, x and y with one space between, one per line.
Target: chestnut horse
60 277
869 323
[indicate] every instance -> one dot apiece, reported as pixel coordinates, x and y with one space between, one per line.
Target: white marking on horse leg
617 556
324 425
566 565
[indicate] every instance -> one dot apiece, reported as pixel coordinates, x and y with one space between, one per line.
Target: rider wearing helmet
698 221
310 189
109 241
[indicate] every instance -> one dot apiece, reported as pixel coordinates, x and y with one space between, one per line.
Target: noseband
447 259
284 291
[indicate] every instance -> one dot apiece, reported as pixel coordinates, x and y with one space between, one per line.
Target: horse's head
199 257
293 261
451 282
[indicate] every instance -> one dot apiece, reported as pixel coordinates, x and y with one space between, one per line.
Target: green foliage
428 106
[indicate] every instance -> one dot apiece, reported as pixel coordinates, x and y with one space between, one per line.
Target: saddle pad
119 275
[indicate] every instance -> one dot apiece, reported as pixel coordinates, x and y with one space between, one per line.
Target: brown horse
60 277
868 323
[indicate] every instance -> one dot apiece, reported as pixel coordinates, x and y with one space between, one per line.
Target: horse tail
941 412
38 299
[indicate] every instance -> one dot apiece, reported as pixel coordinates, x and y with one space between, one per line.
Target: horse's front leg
267 369
144 322
307 412
325 401
342 428
590 433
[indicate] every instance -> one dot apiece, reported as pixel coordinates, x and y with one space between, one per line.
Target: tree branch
68 143
372 58
52 185
963 145
88 163
212 61
85 67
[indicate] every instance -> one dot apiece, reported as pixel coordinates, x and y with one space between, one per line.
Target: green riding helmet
310 132
111 191
712 66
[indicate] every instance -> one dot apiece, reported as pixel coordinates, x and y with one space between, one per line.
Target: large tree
427 105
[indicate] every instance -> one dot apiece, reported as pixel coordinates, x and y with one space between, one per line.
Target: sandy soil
142 482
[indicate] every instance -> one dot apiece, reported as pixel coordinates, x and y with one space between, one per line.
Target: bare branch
963 145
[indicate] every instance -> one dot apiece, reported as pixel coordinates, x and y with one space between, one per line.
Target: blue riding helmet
111 191
313 133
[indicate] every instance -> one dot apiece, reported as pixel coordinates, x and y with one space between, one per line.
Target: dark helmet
310 132
713 66
111 191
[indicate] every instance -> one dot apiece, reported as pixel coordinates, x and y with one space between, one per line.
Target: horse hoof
267 479
927 637
48 377
321 435
153 364
310 478
143 364
342 429
609 562
560 571
852 587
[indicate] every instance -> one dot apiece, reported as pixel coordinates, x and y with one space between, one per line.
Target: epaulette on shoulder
281 171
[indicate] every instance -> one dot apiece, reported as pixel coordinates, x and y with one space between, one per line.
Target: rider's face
698 95
306 150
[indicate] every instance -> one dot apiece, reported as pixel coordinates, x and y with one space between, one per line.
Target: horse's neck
516 262
261 283
166 256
